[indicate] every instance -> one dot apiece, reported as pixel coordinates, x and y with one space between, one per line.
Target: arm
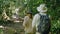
35 20
26 18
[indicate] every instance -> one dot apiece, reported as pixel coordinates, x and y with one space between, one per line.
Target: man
42 9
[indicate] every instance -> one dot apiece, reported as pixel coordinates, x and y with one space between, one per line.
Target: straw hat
42 8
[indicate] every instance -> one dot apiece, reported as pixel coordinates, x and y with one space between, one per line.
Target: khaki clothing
27 24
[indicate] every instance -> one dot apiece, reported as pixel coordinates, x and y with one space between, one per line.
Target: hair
30 15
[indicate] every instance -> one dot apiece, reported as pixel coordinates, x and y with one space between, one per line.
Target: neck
43 13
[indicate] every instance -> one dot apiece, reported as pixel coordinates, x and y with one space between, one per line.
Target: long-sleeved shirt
36 20
27 24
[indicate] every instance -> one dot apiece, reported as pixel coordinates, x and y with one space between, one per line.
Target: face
29 14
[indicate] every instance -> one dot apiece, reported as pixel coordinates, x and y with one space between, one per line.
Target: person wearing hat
27 24
42 9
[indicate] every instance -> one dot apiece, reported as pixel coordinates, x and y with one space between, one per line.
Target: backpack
44 24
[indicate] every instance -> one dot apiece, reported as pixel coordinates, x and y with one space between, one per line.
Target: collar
42 13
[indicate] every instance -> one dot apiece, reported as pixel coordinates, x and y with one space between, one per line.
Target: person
42 9
27 24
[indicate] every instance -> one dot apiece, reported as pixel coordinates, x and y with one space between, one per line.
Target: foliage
53 10
31 5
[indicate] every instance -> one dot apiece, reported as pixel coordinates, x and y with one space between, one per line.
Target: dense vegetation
30 5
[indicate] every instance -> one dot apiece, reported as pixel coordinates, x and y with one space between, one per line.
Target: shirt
27 24
36 20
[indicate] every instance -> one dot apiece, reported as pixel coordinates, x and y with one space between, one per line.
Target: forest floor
15 28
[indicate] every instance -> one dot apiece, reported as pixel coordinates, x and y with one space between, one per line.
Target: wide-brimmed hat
42 8
29 12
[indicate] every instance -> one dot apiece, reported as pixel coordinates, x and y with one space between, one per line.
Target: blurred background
12 13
